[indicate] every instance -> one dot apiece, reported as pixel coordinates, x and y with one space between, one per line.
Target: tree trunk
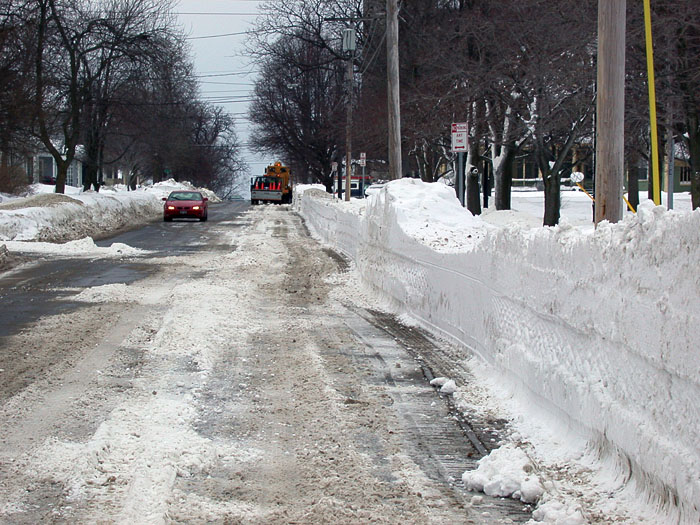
133 179
633 188
552 186
157 171
90 177
472 179
552 198
503 177
485 183
61 175
473 195
694 148
91 160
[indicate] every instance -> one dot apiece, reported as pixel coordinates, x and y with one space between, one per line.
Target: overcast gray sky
226 74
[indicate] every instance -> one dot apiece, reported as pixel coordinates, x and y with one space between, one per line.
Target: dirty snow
585 337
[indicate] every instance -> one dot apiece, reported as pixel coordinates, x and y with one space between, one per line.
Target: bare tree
14 97
298 113
129 37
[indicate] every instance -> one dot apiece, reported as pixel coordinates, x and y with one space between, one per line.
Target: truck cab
274 186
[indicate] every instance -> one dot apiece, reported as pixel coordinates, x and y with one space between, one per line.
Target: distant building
44 170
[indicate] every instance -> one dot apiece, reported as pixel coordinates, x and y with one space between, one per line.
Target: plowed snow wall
600 329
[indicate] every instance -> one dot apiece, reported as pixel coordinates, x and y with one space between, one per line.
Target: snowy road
227 381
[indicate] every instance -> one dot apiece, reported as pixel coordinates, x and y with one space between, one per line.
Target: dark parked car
184 204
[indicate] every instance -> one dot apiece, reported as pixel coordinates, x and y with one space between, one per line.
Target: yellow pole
584 191
652 105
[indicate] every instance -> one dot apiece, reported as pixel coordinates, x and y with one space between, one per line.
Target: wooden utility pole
670 160
392 49
349 49
610 111
348 130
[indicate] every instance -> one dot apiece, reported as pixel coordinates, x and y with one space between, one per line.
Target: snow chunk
505 472
447 386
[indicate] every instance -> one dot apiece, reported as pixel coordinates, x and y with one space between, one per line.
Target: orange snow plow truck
275 186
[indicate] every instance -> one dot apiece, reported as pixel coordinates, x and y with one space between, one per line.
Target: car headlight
195 207
171 207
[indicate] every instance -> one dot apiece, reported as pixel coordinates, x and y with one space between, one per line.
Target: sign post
460 143
363 163
334 169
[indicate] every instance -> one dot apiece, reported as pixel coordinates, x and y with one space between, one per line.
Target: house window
685 175
29 168
46 173
72 175
643 173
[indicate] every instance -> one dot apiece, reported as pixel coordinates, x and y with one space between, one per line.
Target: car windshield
185 196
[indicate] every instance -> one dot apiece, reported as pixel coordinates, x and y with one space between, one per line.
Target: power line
231 74
226 91
227 83
219 35
217 14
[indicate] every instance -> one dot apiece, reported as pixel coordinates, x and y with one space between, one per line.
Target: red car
183 204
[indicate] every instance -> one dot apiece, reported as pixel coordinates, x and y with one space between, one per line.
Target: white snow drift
597 328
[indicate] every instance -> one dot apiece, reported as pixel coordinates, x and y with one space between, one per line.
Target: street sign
460 140
363 159
349 40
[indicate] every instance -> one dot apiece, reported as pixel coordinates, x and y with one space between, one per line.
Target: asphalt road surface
225 376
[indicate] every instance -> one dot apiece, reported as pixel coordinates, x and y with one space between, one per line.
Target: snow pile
56 217
116 292
84 247
594 328
299 189
551 510
506 472
433 218
169 185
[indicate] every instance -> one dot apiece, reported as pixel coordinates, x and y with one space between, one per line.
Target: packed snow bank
55 217
594 327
